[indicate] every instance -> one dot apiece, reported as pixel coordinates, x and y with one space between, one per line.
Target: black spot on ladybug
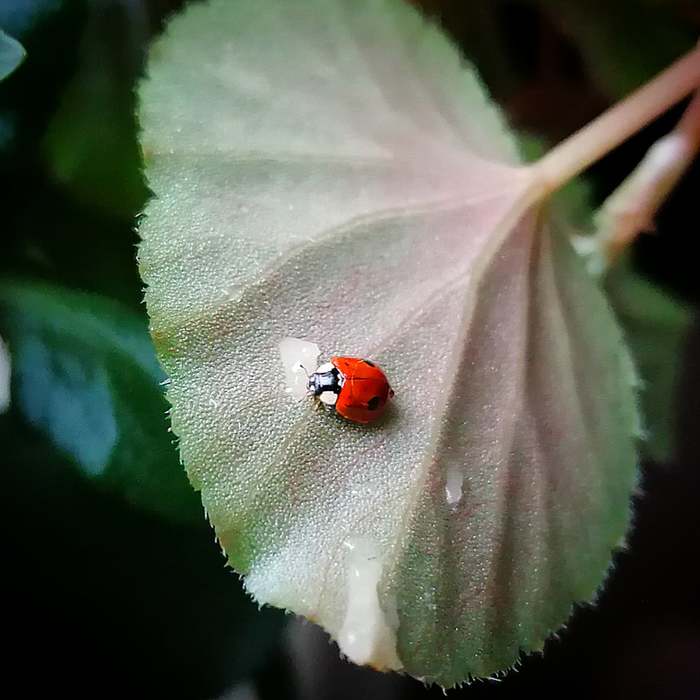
371 364
373 403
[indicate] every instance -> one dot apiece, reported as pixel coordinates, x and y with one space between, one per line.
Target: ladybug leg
319 406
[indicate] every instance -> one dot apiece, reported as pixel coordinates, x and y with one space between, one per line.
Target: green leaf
11 54
84 373
18 17
656 327
332 171
4 377
90 143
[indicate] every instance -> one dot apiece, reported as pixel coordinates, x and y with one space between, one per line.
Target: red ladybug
357 388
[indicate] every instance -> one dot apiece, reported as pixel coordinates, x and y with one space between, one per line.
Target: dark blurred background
113 583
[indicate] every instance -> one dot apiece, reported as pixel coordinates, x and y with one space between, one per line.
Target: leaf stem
689 125
631 208
616 125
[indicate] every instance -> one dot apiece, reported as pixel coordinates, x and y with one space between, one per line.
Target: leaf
85 375
11 54
18 17
656 326
331 171
90 143
633 205
4 377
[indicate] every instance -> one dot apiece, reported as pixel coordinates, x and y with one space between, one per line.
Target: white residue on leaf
368 633
453 485
4 377
299 359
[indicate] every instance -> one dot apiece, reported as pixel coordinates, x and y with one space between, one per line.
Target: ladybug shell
365 391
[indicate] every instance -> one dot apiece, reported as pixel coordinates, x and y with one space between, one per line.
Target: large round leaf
331 171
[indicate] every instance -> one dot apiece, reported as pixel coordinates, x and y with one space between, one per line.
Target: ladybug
357 388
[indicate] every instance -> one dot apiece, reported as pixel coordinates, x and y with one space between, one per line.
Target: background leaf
378 216
4 377
19 16
91 141
11 54
84 373
657 327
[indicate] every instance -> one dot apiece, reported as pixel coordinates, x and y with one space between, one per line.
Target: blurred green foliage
90 143
18 17
11 54
112 544
657 326
85 375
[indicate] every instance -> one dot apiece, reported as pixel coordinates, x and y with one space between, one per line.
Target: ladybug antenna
309 382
